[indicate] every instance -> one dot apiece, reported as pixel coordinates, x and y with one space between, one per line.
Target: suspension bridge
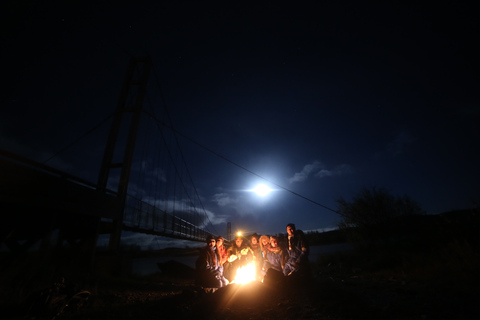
141 186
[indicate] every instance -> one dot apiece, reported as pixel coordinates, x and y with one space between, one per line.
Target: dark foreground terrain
335 291
356 297
425 275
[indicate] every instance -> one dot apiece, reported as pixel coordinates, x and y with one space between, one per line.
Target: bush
373 213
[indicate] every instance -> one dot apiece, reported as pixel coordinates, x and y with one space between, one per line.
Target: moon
262 190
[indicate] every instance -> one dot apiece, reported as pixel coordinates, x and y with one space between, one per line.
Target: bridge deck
33 195
24 183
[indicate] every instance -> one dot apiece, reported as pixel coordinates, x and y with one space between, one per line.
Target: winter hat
209 238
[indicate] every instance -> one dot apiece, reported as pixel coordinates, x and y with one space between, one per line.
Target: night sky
320 98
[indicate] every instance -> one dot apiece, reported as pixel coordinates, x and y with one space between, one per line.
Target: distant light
239 234
262 190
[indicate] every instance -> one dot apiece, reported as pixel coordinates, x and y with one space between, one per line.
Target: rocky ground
355 296
433 282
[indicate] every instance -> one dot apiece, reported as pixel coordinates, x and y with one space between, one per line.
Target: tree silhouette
374 213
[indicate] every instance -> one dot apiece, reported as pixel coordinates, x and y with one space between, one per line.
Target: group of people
275 258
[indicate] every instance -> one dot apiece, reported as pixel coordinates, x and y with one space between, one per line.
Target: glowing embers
245 274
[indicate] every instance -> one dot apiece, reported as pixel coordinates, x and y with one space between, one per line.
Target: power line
239 166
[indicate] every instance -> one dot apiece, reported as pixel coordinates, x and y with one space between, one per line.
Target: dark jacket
296 253
208 270
273 259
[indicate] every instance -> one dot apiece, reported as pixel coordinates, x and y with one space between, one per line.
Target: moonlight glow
262 190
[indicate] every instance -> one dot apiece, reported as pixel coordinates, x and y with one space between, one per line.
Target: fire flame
245 274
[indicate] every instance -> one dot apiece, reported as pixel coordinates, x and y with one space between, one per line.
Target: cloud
222 199
185 209
214 218
149 172
306 171
337 171
319 170
236 205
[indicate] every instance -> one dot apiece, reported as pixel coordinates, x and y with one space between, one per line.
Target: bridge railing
48 185
144 217
14 158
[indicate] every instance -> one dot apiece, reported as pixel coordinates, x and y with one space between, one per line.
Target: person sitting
208 271
264 244
257 256
273 265
222 255
296 263
239 255
221 250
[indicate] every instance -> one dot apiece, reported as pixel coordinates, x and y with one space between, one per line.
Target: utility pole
129 105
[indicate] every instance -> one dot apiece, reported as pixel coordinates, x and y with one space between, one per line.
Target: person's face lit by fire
264 242
254 241
238 242
273 243
290 231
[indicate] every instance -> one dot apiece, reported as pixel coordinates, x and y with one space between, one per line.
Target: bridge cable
168 116
217 154
178 145
179 148
179 175
79 138
163 100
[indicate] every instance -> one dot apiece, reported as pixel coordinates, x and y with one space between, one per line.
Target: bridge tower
129 107
229 231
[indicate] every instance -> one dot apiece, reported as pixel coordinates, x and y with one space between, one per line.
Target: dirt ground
354 297
446 287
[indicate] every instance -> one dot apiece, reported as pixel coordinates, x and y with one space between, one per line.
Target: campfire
246 274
